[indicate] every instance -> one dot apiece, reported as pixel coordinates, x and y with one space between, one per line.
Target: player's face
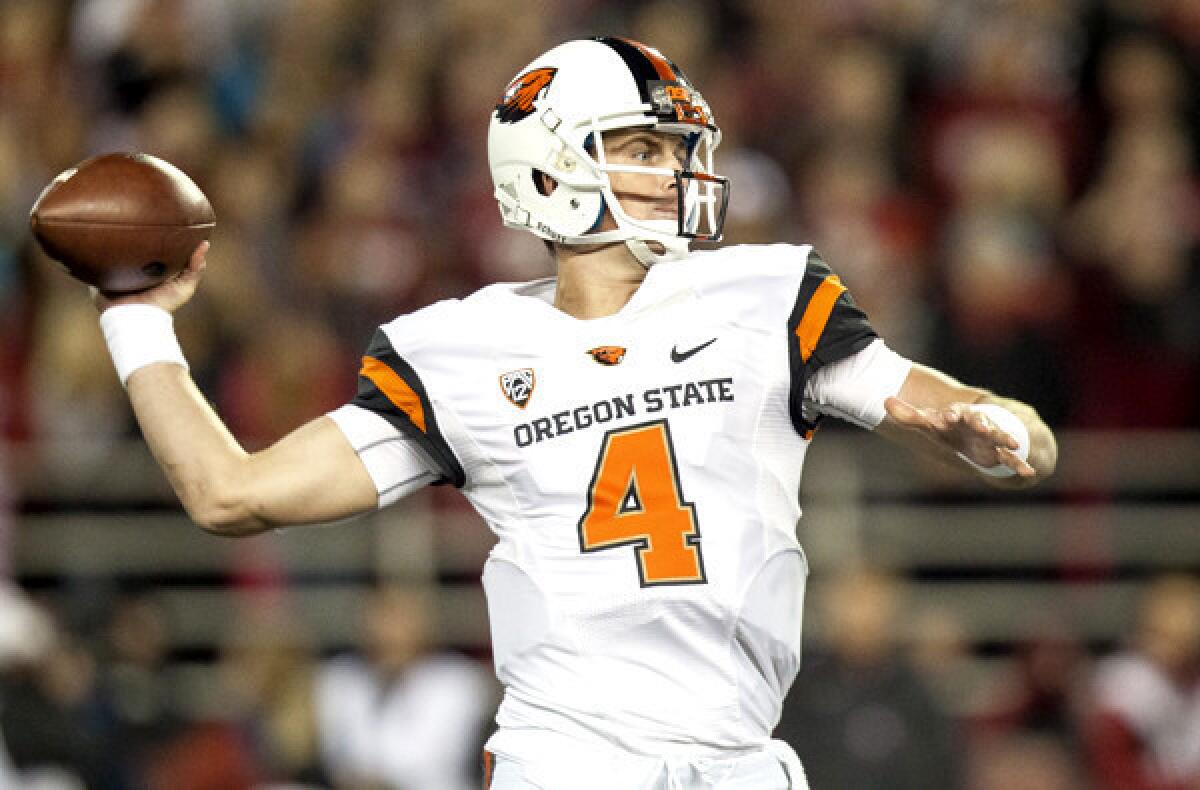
645 196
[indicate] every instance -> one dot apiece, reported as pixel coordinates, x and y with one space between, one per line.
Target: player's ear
545 182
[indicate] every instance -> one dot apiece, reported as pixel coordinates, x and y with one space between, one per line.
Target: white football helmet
551 119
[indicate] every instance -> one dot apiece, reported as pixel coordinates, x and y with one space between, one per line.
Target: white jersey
641 474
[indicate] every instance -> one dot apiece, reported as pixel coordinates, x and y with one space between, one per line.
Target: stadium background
1007 187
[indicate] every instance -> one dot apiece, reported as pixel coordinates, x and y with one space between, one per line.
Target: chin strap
641 250
648 257
674 247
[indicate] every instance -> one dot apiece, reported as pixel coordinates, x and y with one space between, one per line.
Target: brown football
122 222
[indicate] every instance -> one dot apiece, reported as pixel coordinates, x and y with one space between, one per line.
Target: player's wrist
138 335
1011 424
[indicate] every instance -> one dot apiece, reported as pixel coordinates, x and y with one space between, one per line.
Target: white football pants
774 768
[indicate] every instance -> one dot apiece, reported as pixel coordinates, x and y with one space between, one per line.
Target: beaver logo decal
522 93
607 355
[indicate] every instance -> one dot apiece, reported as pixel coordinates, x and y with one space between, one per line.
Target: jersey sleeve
825 326
854 388
391 388
396 464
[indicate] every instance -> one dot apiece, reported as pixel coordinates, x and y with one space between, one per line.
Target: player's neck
596 282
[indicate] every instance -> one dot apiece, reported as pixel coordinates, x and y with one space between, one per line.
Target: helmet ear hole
544 182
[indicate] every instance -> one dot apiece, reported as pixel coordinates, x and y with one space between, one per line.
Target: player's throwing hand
169 295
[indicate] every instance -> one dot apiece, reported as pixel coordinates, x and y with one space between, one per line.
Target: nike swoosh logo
680 356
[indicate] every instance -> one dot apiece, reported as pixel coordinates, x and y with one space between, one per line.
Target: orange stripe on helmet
660 64
816 315
396 389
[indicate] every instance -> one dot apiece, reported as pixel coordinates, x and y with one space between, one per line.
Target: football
122 222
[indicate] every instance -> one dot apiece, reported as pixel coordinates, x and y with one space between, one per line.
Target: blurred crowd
1007 187
99 709
890 707
891 700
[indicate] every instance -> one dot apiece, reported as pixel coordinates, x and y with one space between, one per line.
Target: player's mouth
640 207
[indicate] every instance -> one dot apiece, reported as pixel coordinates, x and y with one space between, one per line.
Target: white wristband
1008 422
139 335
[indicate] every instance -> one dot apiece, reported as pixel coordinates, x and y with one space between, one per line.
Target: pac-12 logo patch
517 386
518 99
608 355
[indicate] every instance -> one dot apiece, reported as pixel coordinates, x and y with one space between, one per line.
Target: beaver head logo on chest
608 355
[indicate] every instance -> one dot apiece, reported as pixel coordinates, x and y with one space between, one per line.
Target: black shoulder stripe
388 386
843 330
846 332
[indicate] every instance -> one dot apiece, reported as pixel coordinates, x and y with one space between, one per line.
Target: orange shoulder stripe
396 389
816 315
489 769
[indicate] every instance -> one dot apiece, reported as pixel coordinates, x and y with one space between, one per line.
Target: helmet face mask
701 196
553 119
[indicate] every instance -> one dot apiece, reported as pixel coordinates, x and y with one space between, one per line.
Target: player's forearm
203 462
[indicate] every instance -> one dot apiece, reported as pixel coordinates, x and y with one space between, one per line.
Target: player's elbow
223 511
225 522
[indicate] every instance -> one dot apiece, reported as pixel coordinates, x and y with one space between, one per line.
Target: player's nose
670 183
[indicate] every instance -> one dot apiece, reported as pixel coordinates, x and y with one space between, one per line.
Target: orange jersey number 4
635 500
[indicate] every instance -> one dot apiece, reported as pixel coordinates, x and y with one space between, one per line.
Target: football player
632 430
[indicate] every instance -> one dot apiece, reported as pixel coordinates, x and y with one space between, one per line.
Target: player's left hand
960 429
